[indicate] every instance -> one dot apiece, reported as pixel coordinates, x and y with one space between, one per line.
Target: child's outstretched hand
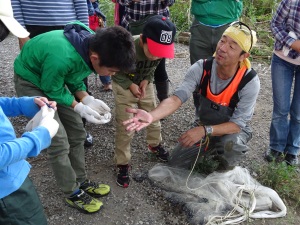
140 120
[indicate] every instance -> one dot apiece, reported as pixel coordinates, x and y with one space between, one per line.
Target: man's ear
94 57
141 38
244 56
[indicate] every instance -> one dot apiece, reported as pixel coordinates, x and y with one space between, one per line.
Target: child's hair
115 47
3 31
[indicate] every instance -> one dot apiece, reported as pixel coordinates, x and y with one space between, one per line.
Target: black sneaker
88 140
291 160
160 152
272 155
123 176
84 202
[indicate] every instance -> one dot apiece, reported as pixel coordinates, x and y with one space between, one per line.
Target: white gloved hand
50 124
96 104
35 121
91 115
44 118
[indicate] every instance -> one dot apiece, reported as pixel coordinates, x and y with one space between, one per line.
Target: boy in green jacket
53 65
131 89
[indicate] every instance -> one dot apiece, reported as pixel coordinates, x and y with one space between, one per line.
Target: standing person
19 201
98 20
211 19
118 13
136 13
228 89
136 89
39 17
285 124
54 64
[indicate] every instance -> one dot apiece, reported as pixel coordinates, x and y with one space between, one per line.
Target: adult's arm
182 93
278 24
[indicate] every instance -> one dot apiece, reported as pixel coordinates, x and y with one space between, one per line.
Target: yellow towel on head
243 38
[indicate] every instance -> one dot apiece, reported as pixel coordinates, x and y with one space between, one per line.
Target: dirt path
141 203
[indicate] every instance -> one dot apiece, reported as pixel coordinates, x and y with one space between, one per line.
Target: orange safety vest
224 97
229 96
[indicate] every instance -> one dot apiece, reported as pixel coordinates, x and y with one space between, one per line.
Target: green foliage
206 165
256 13
107 7
282 178
179 15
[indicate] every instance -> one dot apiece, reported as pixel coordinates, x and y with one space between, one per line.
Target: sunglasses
245 28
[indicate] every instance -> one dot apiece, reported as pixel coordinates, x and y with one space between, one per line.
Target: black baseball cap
160 33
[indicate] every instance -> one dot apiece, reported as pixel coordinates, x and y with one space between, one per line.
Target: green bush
180 12
107 7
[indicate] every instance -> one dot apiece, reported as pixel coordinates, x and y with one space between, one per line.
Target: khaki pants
125 99
66 152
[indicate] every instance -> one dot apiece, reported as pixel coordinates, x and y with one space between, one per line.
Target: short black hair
3 31
144 38
115 47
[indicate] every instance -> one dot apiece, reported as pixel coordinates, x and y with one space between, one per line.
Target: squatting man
227 87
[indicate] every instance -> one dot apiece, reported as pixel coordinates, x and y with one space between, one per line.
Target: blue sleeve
29 145
17 10
19 106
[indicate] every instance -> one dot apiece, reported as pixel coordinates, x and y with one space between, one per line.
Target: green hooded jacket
52 63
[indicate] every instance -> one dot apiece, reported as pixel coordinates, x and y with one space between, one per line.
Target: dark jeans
22 207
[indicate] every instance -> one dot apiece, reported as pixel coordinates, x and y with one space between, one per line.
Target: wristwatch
209 130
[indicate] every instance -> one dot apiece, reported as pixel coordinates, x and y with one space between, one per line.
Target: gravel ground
142 203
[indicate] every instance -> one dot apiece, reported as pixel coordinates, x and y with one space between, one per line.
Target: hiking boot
123 176
84 202
272 155
88 140
160 152
291 160
94 189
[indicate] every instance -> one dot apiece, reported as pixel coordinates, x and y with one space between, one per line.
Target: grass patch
281 178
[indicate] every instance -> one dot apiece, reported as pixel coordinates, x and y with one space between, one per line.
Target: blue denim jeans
285 124
105 79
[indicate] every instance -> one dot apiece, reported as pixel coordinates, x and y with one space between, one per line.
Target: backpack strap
202 87
246 79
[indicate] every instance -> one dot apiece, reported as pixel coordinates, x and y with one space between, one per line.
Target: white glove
91 115
44 118
35 121
50 124
97 105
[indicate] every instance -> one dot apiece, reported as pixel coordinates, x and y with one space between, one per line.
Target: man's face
228 52
102 70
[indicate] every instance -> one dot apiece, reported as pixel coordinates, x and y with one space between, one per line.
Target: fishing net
220 198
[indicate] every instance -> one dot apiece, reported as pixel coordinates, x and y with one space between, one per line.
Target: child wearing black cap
136 89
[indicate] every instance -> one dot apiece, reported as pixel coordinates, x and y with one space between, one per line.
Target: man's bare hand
140 120
192 136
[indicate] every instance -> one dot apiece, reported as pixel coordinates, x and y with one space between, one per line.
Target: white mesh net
220 198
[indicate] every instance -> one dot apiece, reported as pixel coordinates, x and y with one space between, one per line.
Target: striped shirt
49 12
137 10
